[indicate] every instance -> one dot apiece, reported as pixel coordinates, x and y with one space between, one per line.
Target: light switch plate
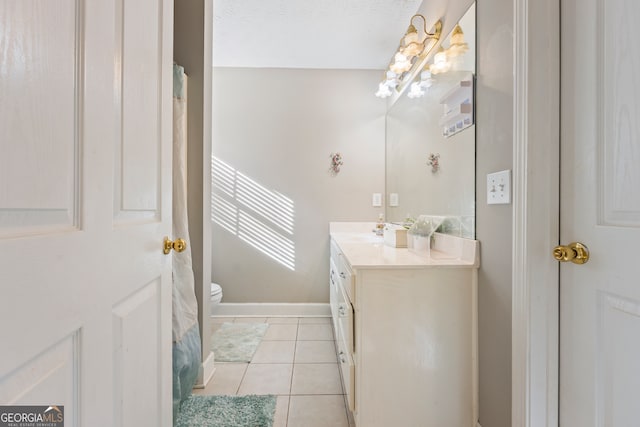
376 200
499 188
393 199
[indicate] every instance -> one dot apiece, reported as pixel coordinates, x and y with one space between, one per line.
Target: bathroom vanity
406 328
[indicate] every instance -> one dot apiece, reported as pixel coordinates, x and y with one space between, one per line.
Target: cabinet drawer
345 323
346 278
344 270
334 284
345 319
347 371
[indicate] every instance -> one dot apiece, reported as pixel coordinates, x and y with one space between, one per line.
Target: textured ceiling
336 34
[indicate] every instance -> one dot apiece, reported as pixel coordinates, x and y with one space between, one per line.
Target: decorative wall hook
434 162
336 162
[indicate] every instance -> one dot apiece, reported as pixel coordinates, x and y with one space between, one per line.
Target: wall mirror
430 138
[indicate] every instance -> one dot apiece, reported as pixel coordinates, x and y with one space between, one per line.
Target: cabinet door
415 348
345 318
347 369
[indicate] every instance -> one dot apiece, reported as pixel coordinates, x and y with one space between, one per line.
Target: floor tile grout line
293 368
313 395
316 394
244 373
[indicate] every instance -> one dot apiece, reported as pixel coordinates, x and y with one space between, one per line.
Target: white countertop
363 249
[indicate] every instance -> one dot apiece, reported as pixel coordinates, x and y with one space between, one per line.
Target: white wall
494 152
275 129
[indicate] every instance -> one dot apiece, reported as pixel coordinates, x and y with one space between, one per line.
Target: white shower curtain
186 335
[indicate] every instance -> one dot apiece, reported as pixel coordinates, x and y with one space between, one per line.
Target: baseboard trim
272 309
208 369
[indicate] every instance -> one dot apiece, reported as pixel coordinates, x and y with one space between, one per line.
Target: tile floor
296 361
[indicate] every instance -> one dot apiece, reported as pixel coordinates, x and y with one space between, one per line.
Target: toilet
216 297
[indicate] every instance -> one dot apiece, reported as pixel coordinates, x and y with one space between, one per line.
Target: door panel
140 52
619 89
137 339
618 349
51 376
44 158
600 207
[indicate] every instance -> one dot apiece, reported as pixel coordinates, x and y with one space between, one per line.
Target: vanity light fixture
412 45
458 46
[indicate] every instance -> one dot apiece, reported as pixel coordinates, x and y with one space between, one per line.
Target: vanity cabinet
406 331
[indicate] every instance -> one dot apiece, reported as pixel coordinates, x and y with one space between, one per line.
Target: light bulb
411 36
401 63
415 91
391 80
426 81
383 91
440 63
457 46
413 49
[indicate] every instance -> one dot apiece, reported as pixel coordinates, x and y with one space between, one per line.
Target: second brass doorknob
575 252
177 245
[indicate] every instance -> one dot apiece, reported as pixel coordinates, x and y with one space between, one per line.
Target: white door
600 207
85 201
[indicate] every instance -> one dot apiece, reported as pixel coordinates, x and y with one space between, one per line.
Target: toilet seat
216 297
215 289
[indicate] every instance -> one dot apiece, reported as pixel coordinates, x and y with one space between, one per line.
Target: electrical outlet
376 200
499 188
393 199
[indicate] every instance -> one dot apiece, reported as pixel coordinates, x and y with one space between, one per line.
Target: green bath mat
227 411
237 342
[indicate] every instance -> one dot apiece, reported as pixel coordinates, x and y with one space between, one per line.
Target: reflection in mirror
430 141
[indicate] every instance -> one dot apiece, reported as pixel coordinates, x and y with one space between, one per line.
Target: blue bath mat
227 411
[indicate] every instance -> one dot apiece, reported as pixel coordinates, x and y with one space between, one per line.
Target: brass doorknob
177 245
575 252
